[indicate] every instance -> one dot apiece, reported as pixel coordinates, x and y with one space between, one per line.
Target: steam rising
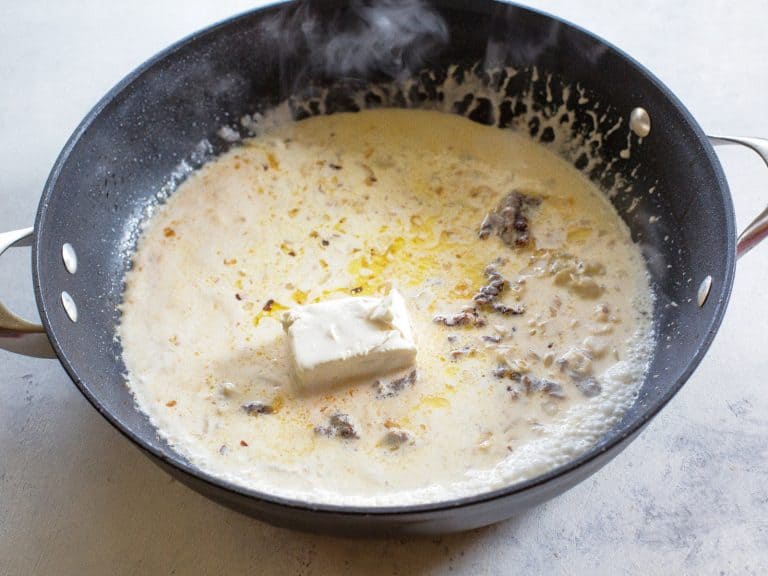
368 39
391 37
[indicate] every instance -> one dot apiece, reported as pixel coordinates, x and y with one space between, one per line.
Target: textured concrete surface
690 496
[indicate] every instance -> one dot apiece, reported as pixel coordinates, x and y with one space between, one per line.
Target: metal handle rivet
69 256
69 306
703 293
640 122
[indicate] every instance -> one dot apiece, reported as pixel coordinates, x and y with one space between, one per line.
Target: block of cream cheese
339 340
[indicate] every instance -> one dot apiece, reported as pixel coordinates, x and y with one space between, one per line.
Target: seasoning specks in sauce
529 302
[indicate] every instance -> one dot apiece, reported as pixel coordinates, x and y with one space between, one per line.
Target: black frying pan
129 145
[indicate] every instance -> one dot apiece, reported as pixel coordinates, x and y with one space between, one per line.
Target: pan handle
16 334
757 231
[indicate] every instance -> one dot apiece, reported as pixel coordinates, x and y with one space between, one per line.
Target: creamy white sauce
353 204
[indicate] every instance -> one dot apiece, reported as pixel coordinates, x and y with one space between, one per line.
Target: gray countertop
690 496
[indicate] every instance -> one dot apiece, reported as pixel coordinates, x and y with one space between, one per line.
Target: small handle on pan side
16 334
757 231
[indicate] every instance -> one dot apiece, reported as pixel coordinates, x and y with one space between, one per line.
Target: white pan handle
16 334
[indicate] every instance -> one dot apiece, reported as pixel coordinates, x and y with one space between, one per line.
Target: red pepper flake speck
243 443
